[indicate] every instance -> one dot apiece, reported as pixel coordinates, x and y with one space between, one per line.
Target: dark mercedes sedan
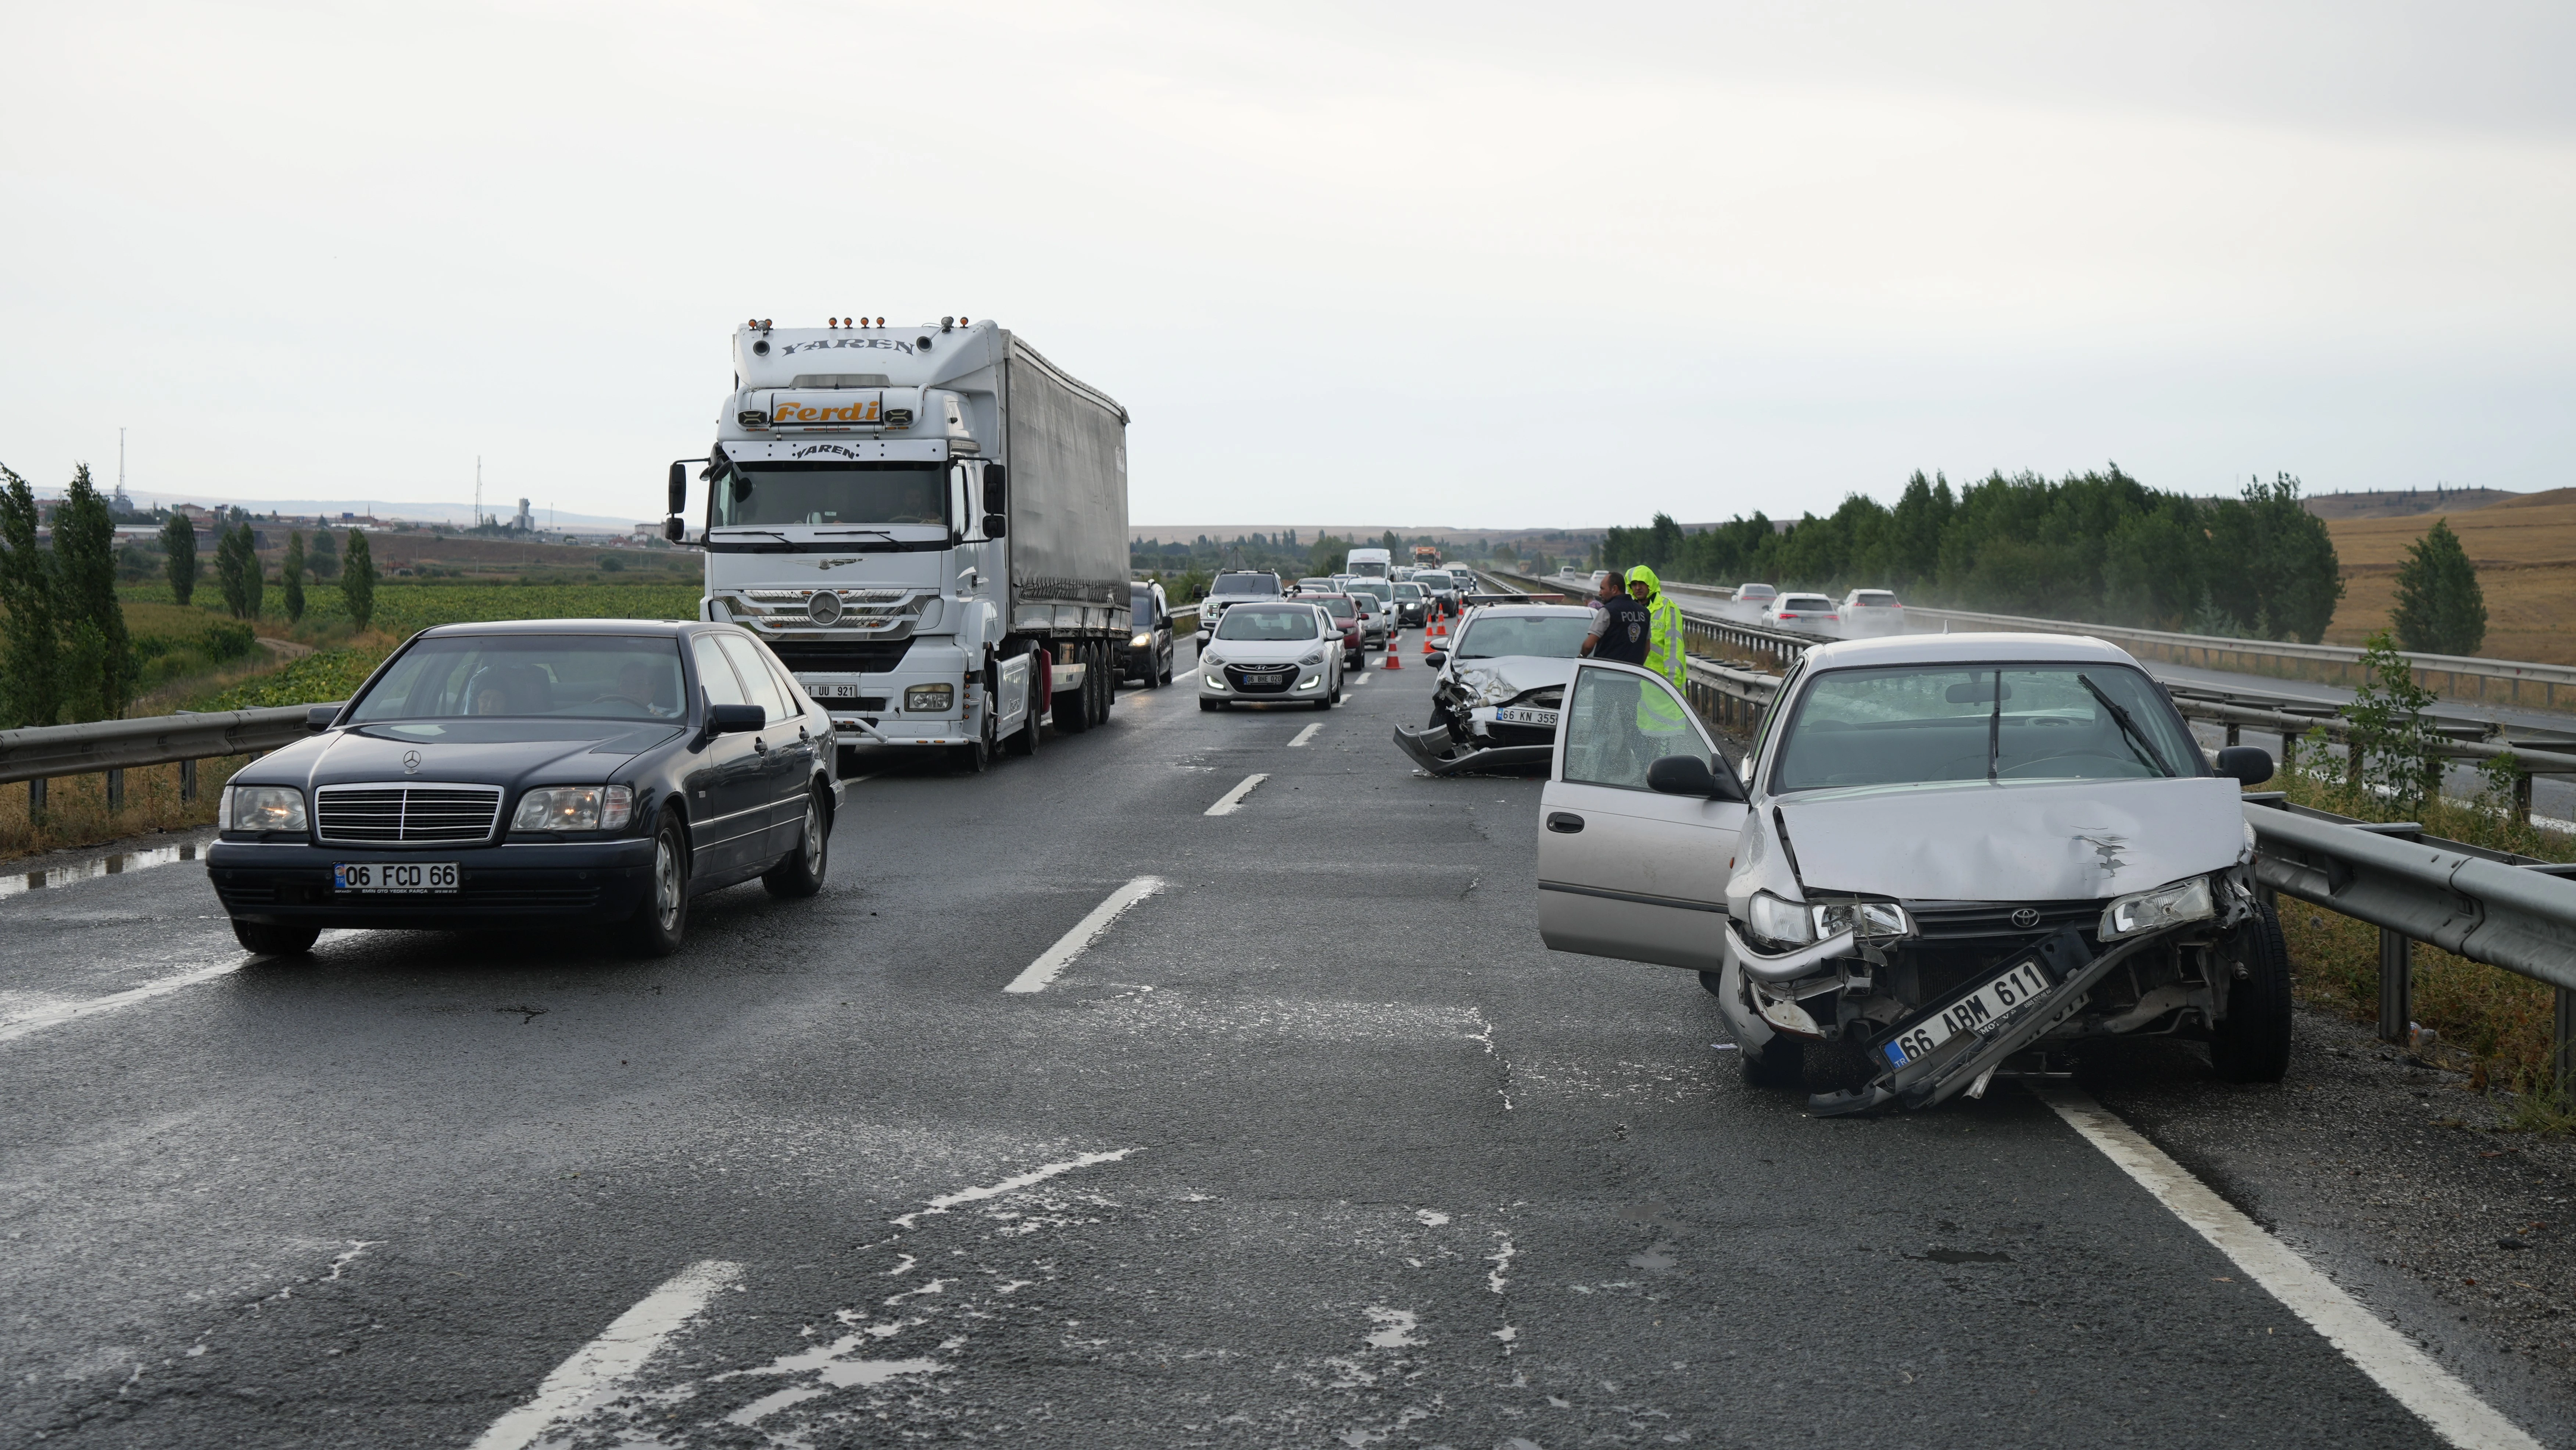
535 774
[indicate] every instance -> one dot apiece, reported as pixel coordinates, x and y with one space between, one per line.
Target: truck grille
411 815
864 657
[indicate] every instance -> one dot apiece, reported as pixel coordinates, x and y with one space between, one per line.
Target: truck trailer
927 524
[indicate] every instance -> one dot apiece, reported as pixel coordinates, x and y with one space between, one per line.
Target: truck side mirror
673 529
679 489
997 496
995 526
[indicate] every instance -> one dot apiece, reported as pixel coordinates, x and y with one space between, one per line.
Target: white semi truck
927 524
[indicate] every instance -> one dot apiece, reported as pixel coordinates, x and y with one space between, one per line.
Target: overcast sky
1489 264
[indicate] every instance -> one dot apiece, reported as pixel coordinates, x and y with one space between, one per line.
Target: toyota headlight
263 808
930 699
575 808
1778 922
2155 910
1868 920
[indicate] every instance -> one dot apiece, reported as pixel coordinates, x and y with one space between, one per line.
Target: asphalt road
1314 1145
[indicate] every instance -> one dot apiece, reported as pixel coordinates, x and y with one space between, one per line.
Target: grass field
2525 553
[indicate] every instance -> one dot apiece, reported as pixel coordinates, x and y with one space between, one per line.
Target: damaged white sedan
1946 856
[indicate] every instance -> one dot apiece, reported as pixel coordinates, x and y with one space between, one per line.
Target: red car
1346 613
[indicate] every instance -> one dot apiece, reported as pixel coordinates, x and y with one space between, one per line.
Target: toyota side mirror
735 719
319 717
996 489
2247 765
995 526
1688 775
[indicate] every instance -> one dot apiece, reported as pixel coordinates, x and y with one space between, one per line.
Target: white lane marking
1232 800
1356 681
55 1014
598 1369
1304 735
1054 959
1040 1174
2451 1408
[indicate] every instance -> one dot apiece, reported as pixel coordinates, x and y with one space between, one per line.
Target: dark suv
1234 587
1149 648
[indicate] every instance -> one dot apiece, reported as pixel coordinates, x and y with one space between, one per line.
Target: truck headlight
575 808
263 808
1778 922
1868 920
2155 910
930 699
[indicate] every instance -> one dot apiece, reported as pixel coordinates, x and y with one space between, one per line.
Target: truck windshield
775 495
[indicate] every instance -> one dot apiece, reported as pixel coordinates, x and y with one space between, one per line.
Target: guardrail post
2397 986
115 791
2562 1056
2522 813
187 781
2231 733
36 798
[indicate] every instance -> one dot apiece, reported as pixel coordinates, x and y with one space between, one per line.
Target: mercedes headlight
263 808
575 808
1868 920
1779 923
930 699
2155 910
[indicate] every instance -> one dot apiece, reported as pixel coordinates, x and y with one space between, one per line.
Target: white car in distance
1284 652
1872 611
1808 613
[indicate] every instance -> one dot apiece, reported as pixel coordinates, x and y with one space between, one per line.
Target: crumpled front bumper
1434 750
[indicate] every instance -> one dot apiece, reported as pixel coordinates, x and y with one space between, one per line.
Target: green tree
2274 565
228 568
2440 609
291 577
30 642
2391 734
92 618
358 581
254 578
323 557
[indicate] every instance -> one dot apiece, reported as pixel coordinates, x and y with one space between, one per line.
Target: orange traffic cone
1437 631
1395 654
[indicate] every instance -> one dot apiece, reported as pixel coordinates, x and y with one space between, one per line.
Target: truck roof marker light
880 322
948 324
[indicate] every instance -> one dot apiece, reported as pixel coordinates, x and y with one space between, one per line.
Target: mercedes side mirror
995 526
679 489
997 487
1688 775
2247 765
734 719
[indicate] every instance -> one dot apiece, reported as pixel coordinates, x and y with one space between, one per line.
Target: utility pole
478 490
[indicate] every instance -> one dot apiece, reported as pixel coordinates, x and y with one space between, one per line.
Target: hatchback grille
408 814
1261 679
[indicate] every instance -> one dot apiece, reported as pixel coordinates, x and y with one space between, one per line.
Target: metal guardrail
112 747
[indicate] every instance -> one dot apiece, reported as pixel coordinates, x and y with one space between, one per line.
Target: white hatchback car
1282 652
1872 611
1810 613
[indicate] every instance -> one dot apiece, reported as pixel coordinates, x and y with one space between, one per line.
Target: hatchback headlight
575 808
1778 922
930 699
2155 910
1312 660
263 808
1210 658
1868 920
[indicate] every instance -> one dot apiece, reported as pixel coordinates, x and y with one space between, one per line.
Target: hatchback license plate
1523 716
402 878
2021 984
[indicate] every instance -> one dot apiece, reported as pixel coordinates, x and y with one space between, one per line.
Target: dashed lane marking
1072 944
1232 800
598 1370
1013 1184
1355 681
2451 1408
1304 735
55 1014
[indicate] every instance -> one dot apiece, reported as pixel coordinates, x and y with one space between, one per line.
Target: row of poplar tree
243 580
65 656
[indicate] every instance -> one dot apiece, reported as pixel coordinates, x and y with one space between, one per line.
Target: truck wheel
801 874
2252 1042
1107 695
1072 710
269 939
662 917
1024 741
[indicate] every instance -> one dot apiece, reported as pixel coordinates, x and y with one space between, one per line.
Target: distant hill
2524 549
2401 503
